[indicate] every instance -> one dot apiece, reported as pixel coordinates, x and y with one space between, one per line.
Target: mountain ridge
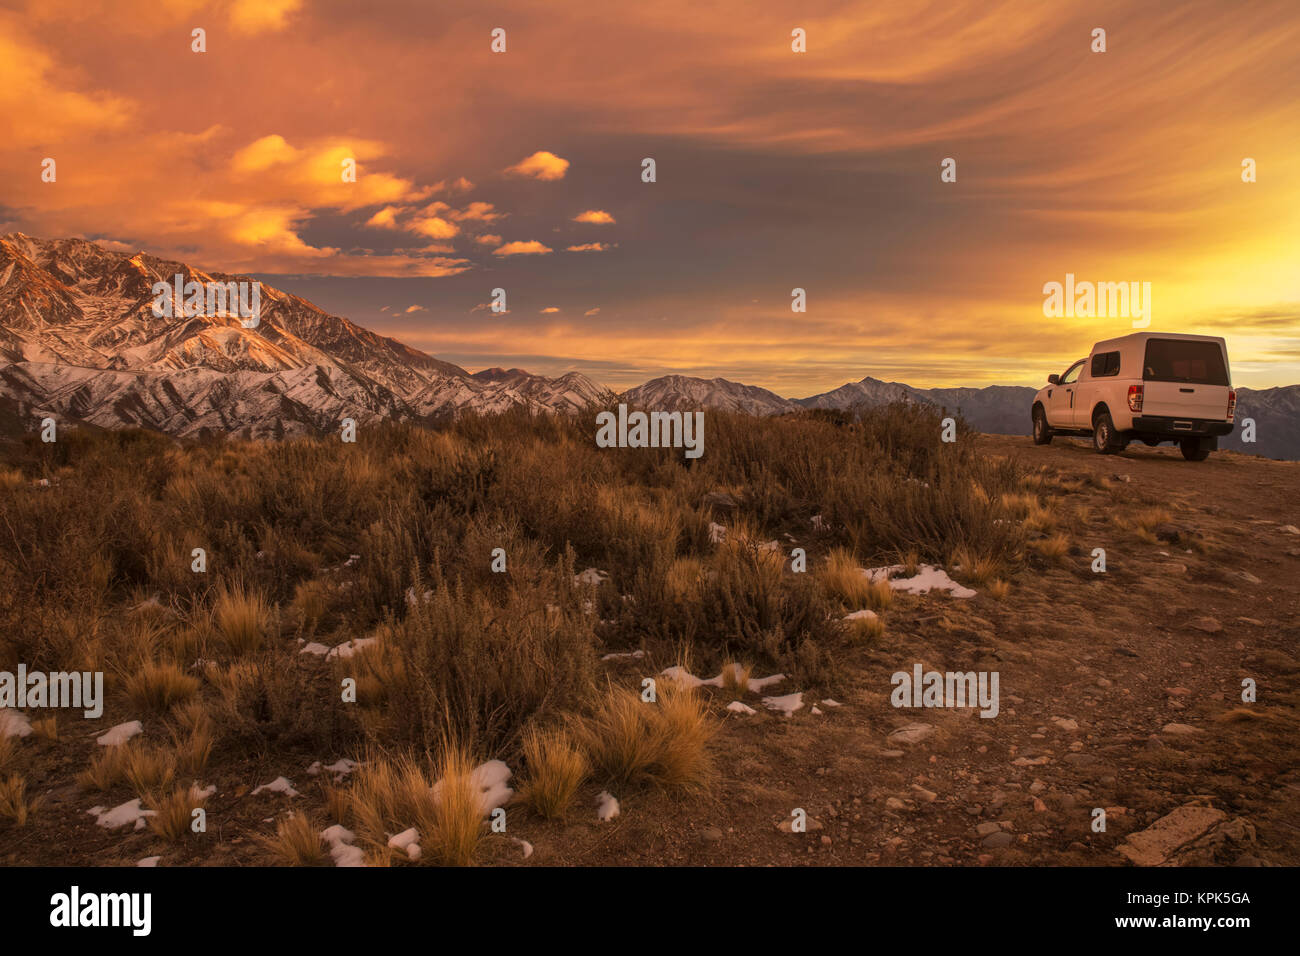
79 341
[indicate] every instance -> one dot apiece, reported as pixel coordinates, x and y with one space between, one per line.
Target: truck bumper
1155 426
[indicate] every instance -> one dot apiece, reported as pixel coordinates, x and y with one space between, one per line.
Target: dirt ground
1119 690
1097 672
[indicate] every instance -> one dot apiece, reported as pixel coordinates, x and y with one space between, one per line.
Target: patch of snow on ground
412 600
618 655
831 703
717 533
489 780
606 806
120 734
787 705
320 650
339 839
14 723
278 785
736 707
348 648
926 579
525 846
148 861
863 615
122 814
755 684
408 841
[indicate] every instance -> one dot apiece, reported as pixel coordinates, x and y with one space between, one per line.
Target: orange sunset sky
775 170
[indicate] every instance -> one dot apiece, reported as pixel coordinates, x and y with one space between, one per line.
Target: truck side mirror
1053 380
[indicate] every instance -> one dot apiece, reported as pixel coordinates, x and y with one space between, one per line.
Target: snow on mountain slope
79 341
683 393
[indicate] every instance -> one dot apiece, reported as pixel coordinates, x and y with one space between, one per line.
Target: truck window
1179 360
1104 364
1071 374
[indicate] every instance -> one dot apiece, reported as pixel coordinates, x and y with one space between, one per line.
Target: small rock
996 841
911 734
1207 624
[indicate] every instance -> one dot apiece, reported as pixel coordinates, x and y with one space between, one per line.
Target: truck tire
1104 437
1042 433
1193 449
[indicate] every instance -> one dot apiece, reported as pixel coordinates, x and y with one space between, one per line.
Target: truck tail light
1232 403
1135 398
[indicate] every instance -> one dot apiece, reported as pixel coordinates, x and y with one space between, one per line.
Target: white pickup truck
1151 387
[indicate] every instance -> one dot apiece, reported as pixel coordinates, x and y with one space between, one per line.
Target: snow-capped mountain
683 393
79 341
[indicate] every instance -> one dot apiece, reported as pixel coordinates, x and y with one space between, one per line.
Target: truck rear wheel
1194 449
1104 437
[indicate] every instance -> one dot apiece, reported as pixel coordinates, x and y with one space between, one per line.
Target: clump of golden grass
241 617
866 628
8 751
911 563
630 741
149 770
735 679
1053 548
297 842
14 804
338 803
192 738
456 817
842 578
107 768
157 686
685 729
682 578
1041 518
311 600
1018 504
979 569
999 589
175 812
1146 521
556 769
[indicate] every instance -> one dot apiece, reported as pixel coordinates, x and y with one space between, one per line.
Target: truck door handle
1188 390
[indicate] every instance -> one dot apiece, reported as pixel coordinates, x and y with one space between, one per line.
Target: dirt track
1118 654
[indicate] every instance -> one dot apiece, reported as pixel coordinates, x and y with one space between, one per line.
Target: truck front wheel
1042 432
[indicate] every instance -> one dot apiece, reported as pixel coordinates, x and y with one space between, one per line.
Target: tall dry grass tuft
157 686
296 842
14 804
629 741
556 769
242 618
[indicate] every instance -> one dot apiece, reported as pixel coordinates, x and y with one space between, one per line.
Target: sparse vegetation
373 563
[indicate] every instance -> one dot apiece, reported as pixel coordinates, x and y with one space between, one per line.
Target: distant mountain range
79 342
